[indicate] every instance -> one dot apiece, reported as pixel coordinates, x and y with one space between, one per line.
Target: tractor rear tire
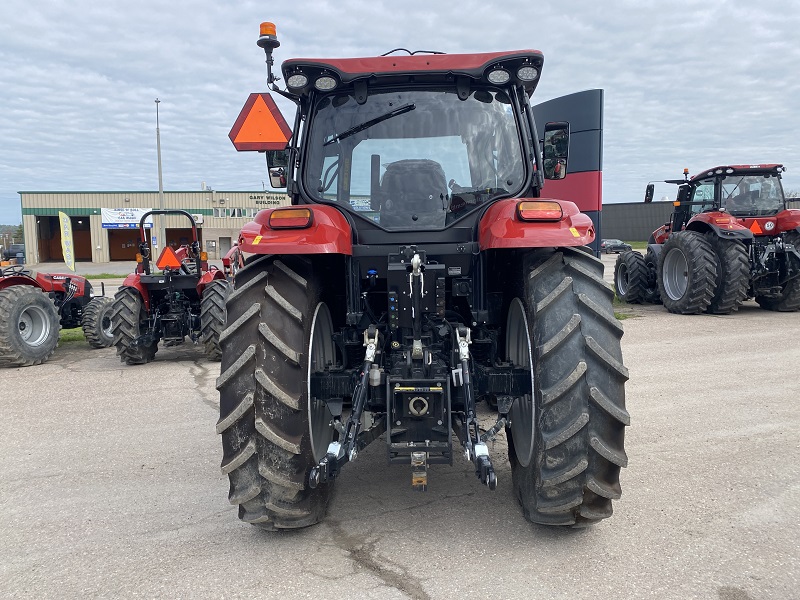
127 317
279 331
212 316
28 328
96 322
566 443
630 277
733 274
789 300
651 260
687 273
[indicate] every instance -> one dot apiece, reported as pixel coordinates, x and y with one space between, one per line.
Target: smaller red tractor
185 298
730 238
35 306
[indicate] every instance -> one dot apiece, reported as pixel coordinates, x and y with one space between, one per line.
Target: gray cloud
688 83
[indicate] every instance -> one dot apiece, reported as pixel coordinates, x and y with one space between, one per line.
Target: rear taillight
290 218
539 210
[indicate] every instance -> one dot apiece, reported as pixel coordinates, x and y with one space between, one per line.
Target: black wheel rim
523 410
321 352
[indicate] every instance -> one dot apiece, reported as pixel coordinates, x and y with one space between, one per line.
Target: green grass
638 245
68 336
109 275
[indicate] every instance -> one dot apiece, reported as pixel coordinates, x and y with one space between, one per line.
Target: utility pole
162 239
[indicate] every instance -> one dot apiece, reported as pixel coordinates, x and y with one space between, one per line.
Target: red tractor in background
35 306
419 270
730 238
185 299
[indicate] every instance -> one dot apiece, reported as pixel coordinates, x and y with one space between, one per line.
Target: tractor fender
723 224
501 227
656 250
788 220
6 282
134 280
660 235
56 282
328 233
207 278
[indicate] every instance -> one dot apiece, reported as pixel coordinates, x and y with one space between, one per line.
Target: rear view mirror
276 165
556 150
648 193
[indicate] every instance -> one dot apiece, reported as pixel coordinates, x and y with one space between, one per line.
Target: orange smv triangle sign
260 125
756 228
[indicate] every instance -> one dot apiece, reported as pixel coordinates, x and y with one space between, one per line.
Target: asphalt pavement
111 487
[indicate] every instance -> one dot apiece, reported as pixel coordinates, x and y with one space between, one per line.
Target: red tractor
730 238
186 298
35 306
418 271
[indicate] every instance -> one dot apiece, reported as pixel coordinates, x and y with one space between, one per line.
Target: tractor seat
413 188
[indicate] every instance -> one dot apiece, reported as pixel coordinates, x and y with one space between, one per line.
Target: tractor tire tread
14 351
583 361
733 274
701 275
126 317
631 266
212 317
95 312
263 402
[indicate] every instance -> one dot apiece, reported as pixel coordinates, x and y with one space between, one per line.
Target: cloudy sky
688 83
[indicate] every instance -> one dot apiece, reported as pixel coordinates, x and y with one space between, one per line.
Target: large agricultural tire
651 260
127 317
29 326
733 274
566 443
279 331
630 277
96 322
789 300
212 317
687 273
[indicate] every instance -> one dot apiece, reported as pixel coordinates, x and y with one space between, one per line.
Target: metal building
219 216
105 226
635 221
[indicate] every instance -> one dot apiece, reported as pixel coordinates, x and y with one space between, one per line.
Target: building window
235 213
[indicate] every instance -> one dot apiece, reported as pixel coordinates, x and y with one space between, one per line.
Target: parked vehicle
615 246
185 299
14 251
419 270
35 306
730 238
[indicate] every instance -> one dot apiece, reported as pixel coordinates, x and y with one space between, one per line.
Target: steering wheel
15 270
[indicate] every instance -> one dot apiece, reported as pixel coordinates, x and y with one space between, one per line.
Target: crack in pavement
362 553
200 373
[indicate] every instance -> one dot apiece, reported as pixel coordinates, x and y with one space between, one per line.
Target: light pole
161 233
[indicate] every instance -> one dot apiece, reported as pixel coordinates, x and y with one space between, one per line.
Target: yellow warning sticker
574 232
257 240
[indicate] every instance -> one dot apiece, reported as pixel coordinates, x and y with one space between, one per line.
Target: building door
224 246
